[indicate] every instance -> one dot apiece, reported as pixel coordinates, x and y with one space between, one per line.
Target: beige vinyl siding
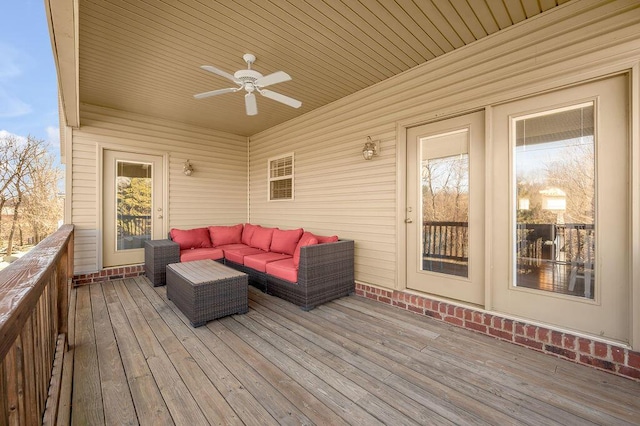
337 192
216 192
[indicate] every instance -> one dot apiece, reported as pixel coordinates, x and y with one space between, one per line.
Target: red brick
359 292
569 342
477 317
500 333
443 308
468 315
451 310
478 327
507 325
617 354
371 296
560 351
519 329
556 338
530 331
600 349
454 320
584 345
528 342
634 360
435 306
459 312
496 322
421 302
384 300
416 309
433 314
595 362
400 304
629 372
487 319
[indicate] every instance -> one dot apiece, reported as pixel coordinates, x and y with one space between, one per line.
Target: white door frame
100 149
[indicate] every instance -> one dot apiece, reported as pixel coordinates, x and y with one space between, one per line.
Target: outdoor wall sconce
370 149
187 168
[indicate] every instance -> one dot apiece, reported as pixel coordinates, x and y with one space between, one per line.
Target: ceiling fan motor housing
247 76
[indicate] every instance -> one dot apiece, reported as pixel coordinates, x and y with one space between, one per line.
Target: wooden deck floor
351 361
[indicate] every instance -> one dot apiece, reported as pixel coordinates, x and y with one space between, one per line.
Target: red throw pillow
331 239
285 241
261 238
247 233
307 239
222 235
191 238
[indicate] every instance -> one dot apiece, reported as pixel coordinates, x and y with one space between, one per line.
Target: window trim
280 178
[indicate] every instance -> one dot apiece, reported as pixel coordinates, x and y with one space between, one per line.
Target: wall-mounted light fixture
371 149
187 168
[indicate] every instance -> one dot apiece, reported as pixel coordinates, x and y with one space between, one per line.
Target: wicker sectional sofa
295 265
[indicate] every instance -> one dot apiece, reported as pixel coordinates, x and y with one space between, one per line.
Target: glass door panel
554 170
133 204
445 203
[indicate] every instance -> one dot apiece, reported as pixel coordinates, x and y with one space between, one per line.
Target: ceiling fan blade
281 98
276 77
219 72
250 104
215 92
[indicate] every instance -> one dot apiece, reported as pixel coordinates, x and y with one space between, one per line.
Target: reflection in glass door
445 203
555 212
133 204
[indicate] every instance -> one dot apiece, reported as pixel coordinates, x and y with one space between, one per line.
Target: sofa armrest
327 264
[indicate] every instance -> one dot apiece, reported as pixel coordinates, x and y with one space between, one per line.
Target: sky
28 85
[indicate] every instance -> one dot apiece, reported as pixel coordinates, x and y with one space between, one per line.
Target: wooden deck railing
34 303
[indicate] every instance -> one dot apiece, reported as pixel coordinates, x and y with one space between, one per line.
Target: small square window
281 178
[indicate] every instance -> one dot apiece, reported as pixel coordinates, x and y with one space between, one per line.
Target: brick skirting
604 356
109 274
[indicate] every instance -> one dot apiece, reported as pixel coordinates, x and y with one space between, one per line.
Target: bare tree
25 173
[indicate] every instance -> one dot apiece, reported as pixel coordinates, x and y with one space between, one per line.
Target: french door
445 208
132 205
560 227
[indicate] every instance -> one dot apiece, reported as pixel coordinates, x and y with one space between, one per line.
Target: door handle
408 220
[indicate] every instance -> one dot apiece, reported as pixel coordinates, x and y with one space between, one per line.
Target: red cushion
285 241
331 239
191 238
283 269
261 238
232 246
307 239
247 233
237 255
201 254
259 261
222 235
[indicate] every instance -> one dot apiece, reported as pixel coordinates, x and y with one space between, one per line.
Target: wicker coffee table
205 290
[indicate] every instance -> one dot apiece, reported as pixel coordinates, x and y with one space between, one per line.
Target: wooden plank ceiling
144 56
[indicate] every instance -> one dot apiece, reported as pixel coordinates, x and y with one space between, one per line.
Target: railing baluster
34 297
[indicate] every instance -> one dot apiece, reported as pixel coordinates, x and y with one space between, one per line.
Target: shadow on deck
350 361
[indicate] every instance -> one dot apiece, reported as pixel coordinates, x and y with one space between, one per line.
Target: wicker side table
157 255
205 290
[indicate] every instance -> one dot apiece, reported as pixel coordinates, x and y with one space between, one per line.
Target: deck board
351 361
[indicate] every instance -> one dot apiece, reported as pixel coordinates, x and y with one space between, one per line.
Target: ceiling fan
251 81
